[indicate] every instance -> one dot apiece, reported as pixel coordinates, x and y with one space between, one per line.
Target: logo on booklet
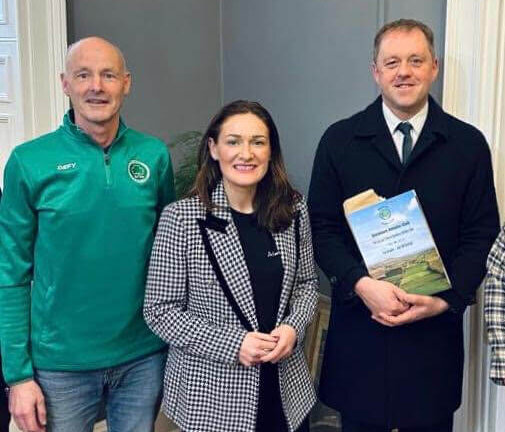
138 171
384 213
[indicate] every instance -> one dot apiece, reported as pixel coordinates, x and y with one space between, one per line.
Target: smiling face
96 82
242 151
404 70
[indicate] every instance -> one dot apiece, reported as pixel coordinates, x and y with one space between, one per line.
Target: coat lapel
424 142
224 244
373 126
385 146
435 126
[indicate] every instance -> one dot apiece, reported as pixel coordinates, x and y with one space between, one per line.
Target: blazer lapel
286 245
229 264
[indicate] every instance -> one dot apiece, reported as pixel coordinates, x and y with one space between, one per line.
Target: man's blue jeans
130 394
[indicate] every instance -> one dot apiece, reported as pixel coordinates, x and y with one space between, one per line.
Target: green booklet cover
397 245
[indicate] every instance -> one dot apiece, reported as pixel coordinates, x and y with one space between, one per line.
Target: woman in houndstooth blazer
232 287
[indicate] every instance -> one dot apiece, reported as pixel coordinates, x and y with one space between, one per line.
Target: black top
265 268
266 272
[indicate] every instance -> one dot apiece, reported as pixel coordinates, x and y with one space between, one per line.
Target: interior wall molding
43 43
57 37
3 12
474 92
5 70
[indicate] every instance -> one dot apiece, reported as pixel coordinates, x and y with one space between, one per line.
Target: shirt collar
417 121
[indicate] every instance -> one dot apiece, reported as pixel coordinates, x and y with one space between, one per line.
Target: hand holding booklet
395 241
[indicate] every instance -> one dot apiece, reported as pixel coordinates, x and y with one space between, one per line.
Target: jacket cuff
457 304
497 369
298 327
13 383
343 288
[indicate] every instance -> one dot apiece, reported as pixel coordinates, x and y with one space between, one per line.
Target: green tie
405 128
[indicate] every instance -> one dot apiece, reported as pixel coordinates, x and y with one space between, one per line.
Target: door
11 109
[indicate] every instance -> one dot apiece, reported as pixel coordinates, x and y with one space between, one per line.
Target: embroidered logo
272 254
138 171
67 166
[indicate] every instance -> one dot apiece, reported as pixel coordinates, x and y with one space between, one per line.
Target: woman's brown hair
274 202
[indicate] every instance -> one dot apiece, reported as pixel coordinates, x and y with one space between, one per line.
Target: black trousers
4 404
349 425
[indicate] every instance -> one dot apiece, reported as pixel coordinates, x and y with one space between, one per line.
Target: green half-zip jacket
76 229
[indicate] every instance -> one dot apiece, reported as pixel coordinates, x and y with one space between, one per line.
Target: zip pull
106 159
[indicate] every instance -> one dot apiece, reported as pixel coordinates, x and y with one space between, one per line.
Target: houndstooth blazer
494 307
199 299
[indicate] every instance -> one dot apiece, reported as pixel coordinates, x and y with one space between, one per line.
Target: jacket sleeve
165 304
478 228
18 227
328 223
305 292
494 308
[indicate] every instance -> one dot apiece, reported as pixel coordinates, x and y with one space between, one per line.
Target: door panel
11 117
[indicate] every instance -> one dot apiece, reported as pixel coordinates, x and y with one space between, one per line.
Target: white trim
474 92
5 61
43 43
5 97
5 118
26 60
57 35
3 12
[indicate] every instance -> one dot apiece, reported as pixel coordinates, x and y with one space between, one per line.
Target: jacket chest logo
138 171
67 166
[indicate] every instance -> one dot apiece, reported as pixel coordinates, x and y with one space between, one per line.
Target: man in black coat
392 359
4 405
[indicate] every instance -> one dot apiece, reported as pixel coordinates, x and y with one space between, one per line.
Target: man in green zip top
77 219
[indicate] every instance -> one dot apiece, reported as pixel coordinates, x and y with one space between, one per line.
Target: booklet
395 241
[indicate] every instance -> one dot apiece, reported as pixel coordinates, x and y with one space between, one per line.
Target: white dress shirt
416 121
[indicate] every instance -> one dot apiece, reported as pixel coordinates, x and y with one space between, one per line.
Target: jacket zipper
106 159
106 155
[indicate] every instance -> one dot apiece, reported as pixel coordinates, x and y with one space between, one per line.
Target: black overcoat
409 375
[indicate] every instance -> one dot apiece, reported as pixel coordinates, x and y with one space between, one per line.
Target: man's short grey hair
72 47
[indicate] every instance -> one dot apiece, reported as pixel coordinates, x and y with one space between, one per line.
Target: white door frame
474 90
43 44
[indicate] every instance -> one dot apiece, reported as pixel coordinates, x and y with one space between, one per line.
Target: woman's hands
259 347
255 346
286 340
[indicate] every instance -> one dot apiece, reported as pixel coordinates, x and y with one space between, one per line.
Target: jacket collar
373 125
372 121
221 207
220 217
78 134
